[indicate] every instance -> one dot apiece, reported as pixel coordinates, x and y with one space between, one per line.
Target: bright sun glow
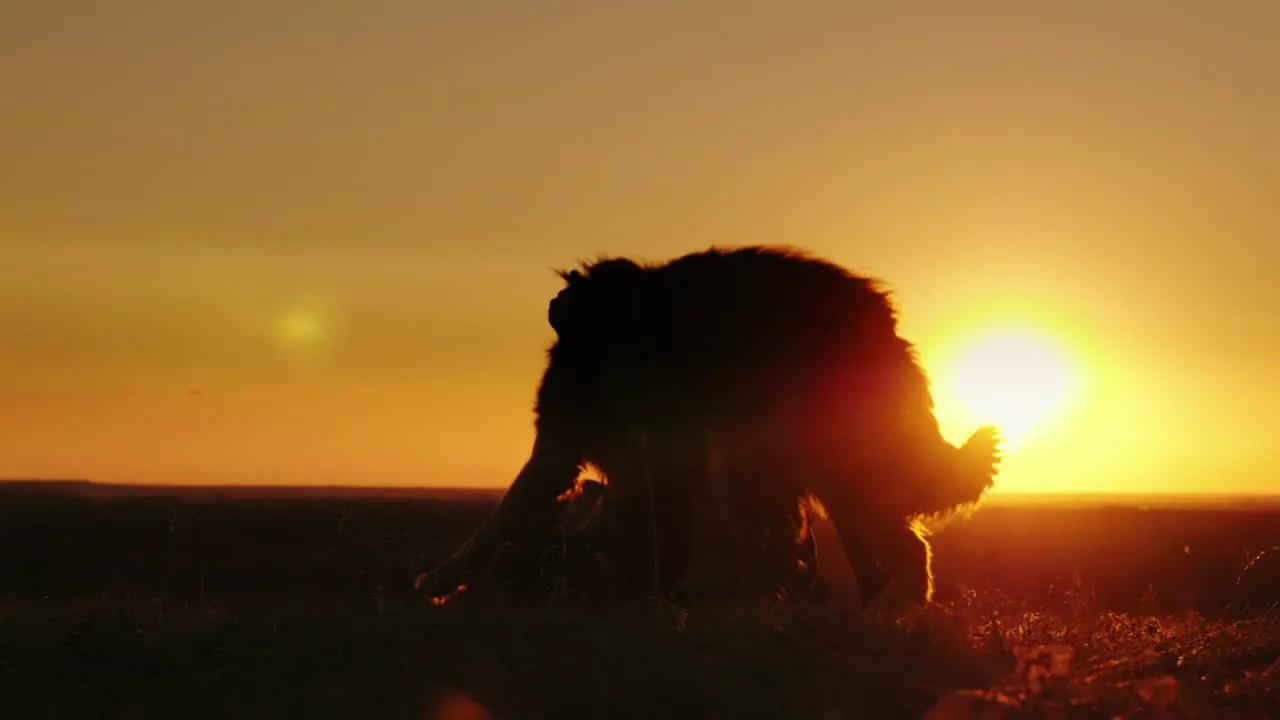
1014 379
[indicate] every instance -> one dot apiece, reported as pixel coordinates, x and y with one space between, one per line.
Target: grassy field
193 607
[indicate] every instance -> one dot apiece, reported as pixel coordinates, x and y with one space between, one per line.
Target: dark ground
123 605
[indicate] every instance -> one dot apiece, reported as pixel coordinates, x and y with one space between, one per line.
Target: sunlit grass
147 659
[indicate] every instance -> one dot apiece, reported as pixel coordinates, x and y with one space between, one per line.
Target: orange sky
335 222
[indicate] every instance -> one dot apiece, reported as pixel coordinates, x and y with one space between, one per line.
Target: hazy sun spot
301 328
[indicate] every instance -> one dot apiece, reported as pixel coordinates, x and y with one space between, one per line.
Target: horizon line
489 488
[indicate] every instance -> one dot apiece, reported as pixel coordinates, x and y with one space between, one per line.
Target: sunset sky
312 242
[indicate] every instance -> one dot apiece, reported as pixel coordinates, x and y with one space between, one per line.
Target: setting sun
1016 380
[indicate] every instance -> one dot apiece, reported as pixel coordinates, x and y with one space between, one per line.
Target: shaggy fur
737 380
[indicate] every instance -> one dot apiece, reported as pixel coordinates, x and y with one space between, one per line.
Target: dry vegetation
299 617
135 657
